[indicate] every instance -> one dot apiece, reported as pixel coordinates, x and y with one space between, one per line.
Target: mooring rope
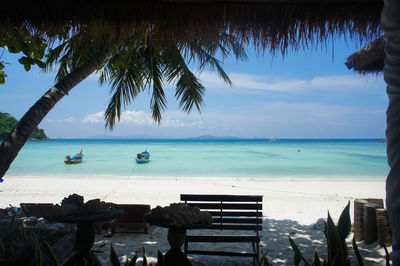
122 182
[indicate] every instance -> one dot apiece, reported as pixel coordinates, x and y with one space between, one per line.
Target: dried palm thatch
271 25
369 59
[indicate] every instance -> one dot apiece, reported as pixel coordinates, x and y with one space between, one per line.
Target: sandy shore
290 208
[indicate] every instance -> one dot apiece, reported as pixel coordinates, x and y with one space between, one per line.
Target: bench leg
113 229
146 228
185 247
256 249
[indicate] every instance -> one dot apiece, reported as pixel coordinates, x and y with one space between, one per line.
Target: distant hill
147 137
210 137
7 123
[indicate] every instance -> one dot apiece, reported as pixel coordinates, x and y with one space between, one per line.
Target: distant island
8 122
147 137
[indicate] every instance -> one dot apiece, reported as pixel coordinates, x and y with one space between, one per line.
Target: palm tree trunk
24 128
390 21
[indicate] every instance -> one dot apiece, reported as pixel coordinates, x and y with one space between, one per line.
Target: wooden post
384 232
378 202
370 228
358 219
358 225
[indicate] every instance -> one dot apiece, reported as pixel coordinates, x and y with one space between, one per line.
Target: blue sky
306 94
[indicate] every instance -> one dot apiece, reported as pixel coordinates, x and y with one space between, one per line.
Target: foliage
139 63
264 261
337 247
20 40
20 247
7 123
161 259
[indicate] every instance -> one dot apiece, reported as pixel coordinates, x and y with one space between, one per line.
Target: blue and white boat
75 159
143 157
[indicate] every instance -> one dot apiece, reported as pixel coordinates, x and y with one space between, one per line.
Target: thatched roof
271 24
369 59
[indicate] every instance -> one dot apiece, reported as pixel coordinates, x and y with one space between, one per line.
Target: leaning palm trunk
24 128
391 24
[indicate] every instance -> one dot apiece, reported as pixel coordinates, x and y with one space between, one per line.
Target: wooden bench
133 218
229 212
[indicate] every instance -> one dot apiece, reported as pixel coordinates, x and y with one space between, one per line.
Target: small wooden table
85 233
176 238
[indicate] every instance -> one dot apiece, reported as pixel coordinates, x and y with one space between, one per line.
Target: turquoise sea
283 158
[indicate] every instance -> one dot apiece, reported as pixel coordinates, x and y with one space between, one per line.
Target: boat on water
143 157
77 158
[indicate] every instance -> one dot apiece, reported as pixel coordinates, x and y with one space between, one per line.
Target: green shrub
20 247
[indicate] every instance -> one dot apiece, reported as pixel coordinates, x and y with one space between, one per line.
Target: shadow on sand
274 241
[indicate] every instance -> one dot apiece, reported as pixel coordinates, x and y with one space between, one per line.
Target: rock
320 224
30 221
59 226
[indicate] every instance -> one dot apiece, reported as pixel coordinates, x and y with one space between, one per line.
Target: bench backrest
236 212
134 213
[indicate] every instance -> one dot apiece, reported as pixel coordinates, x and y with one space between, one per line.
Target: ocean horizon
296 159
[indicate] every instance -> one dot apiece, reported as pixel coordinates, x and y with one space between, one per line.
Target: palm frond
190 92
188 88
125 75
158 101
113 110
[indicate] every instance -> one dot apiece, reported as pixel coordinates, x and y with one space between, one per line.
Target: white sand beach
290 208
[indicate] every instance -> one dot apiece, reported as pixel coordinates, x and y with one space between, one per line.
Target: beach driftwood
358 225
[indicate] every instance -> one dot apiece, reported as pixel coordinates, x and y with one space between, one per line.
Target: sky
305 94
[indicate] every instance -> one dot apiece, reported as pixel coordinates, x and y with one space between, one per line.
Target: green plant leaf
132 262
38 250
298 256
386 255
317 261
50 253
344 223
160 258
114 257
264 261
332 236
144 263
2 246
357 252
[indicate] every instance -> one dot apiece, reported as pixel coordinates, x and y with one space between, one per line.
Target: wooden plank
235 227
236 213
230 206
134 213
220 197
222 238
237 220
221 253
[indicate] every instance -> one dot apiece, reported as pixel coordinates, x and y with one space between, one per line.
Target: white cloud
136 118
270 83
198 124
96 118
171 123
70 120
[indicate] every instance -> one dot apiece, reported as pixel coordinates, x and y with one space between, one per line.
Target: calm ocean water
310 159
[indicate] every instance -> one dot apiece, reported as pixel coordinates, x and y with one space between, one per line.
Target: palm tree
130 65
